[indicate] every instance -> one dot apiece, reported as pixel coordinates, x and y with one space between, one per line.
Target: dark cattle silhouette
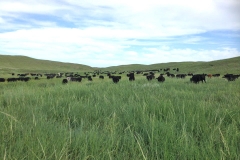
161 78
2 79
89 78
101 77
64 81
25 79
116 78
197 78
76 79
230 77
12 79
150 77
181 75
131 77
216 75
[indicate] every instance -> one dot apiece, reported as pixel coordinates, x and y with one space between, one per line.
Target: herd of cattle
116 76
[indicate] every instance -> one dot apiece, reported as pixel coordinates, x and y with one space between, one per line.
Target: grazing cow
89 78
64 81
2 80
216 75
101 77
170 74
161 78
131 77
150 77
12 79
25 79
197 78
181 75
76 79
36 78
116 79
230 77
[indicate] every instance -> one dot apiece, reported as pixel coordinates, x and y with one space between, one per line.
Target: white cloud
111 32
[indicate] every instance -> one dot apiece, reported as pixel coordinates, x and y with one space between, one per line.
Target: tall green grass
129 120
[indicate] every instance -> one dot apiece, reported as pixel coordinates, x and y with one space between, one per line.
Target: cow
197 78
2 79
116 79
101 77
160 78
181 75
25 79
89 78
76 79
73 79
131 77
150 77
216 75
64 81
209 75
12 79
230 77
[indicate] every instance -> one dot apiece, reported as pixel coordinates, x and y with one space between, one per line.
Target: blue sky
102 33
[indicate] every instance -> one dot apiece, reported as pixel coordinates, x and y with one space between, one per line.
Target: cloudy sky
102 33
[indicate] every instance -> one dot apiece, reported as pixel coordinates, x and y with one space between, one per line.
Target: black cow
89 78
101 77
76 79
230 77
64 81
150 77
181 75
116 79
216 75
12 79
131 77
197 78
161 78
2 80
25 79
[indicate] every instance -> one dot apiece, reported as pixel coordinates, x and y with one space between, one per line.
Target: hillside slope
231 65
27 64
10 64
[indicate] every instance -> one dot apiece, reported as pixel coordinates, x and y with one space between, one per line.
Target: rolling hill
27 64
231 65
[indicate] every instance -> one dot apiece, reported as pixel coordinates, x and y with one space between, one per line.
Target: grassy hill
231 65
27 64
10 64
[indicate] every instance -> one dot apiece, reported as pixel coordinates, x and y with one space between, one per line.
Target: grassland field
44 119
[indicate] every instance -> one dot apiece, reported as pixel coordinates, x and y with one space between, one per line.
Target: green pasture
44 119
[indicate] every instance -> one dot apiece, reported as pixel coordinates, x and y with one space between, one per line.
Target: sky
103 33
